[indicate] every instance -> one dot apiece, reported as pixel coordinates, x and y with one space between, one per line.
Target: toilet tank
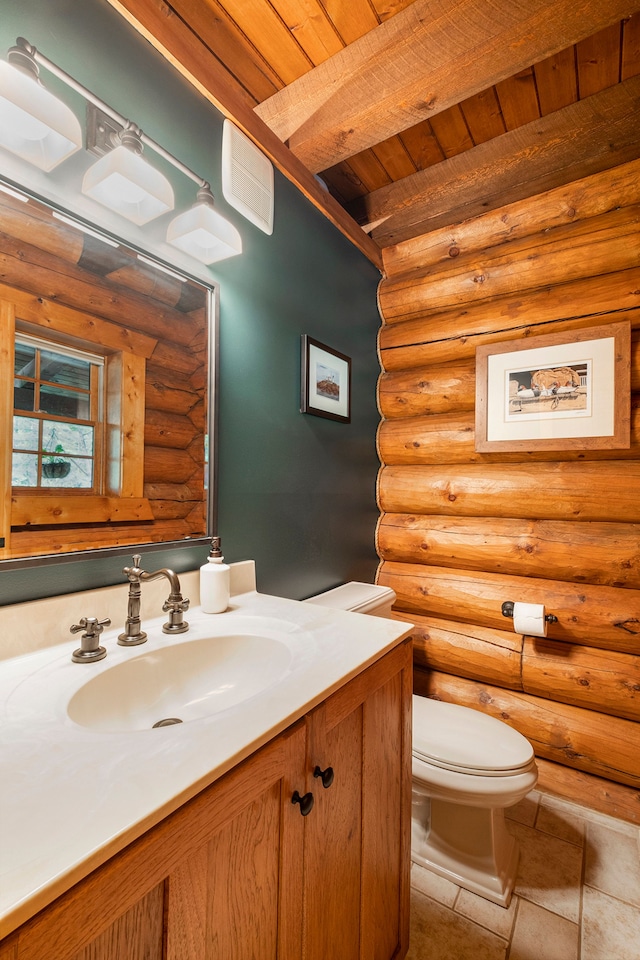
358 597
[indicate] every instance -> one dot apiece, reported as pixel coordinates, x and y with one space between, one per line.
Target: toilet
467 769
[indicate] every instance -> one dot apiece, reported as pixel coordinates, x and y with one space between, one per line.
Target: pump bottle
214 581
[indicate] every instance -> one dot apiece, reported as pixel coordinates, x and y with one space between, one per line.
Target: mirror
105 387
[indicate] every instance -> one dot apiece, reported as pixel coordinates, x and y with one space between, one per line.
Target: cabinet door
237 895
333 834
357 837
222 875
386 817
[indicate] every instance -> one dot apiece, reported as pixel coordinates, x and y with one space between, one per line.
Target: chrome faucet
174 605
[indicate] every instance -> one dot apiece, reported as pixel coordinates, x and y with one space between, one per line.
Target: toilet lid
460 738
355 596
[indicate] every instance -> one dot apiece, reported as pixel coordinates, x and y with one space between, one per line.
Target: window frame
95 396
123 497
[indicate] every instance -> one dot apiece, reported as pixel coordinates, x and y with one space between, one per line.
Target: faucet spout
163 572
175 605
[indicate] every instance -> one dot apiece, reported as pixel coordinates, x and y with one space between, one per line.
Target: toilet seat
466 741
467 767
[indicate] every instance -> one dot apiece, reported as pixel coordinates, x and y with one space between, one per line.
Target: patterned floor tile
543 935
613 863
490 915
438 933
549 872
610 928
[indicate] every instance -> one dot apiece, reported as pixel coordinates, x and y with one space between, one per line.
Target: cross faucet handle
91 625
175 606
89 649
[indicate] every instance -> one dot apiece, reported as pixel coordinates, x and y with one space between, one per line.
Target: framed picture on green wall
326 381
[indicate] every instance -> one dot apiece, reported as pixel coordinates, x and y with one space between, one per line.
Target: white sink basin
186 681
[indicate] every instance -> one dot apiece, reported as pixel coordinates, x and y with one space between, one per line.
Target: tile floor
577 895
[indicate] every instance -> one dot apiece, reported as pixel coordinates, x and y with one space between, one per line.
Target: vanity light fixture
122 179
34 123
203 233
126 183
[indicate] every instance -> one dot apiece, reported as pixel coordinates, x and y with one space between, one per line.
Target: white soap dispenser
214 581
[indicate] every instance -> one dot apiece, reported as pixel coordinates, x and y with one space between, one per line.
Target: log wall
462 531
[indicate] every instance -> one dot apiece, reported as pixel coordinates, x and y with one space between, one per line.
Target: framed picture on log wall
326 381
559 392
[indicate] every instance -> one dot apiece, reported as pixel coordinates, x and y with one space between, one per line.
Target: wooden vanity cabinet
239 873
357 837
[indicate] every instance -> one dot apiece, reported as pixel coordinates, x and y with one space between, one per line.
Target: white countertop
73 796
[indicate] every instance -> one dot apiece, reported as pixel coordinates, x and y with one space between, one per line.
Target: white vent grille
247 178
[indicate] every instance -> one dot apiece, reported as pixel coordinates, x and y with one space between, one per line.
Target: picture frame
565 391
325 381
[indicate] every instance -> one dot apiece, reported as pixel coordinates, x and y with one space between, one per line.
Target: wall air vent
247 178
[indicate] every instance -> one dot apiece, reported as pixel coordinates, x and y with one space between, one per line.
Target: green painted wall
296 492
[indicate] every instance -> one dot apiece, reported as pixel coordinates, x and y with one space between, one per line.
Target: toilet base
468 845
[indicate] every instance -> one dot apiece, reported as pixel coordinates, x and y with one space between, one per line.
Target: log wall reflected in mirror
105 366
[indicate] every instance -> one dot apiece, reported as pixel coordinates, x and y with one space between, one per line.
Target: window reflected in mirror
57 417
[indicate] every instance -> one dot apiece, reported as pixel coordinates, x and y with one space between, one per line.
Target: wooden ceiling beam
425 59
159 23
594 134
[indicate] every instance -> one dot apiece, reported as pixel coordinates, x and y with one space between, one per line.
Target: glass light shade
204 234
34 124
125 182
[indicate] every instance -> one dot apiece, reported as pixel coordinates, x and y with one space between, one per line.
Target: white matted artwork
325 381
559 392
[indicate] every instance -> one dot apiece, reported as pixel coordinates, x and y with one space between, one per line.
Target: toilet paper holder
507 611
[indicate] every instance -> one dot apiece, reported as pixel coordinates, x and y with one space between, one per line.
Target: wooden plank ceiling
417 115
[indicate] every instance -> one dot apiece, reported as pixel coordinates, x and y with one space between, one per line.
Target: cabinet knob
306 802
325 775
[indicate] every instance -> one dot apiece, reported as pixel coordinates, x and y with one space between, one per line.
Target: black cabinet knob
306 802
325 775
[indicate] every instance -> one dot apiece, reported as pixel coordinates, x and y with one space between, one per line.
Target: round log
171 509
466 650
149 282
163 429
162 396
21 222
198 417
581 200
416 385
551 491
454 336
596 793
589 614
450 438
176 359
586 677
29 268
449 388
609 245
174 491
166 465
591 552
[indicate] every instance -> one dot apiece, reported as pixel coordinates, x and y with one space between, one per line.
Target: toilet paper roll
529 618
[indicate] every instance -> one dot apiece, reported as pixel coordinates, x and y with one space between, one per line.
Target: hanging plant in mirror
55 466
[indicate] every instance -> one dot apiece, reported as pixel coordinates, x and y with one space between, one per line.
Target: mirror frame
211 290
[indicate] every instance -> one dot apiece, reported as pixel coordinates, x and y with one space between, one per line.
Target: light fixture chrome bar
101 105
